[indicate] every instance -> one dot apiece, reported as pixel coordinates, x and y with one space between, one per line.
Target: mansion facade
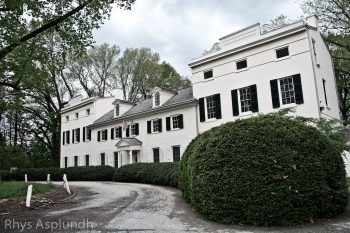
258 69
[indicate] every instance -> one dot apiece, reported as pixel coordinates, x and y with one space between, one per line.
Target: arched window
117 109
156 99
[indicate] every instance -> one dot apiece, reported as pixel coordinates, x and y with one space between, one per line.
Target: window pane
282 52
245 99
208 74
210 107
175 122
155 126
241 64
157 99
287 90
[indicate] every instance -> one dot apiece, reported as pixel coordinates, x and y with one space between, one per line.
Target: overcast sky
180 30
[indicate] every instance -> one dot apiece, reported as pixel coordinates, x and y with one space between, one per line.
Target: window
324 91
67 136
75 161
104 135
176 153
87 160
156 99
241 64
117 109
156 155
287 90
175 120
118 132
88 111
65 162
245 99
155 126
76 134
67 118
133 129
115 159
208 74
283 52
103 159
210 107
88 135
76 115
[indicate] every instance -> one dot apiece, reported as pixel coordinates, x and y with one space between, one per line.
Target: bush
265 170
4 174
149 173
91 173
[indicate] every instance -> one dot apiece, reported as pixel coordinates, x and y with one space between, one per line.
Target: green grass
18 189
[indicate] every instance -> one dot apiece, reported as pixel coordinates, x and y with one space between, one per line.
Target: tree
23 21
334 18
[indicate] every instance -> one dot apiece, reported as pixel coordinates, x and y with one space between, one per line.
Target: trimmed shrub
265 170
4 174
165 174
91 173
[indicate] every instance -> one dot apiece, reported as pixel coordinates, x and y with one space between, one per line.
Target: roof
117 101
129 141
144 106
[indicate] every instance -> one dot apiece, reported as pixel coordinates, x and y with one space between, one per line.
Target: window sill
283 106
210 120
176 129
208 79
152 133
282 58
242 70
246 113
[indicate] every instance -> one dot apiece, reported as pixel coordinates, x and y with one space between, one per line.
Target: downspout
196 117
314 72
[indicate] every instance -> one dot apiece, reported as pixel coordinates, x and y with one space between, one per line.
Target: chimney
312 21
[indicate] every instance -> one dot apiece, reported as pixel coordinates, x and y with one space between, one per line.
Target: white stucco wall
262 67
164 140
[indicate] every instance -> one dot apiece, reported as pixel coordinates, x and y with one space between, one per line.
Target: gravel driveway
123 207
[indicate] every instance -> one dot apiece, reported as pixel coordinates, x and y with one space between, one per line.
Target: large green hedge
265 170
91 173
149 173
4 174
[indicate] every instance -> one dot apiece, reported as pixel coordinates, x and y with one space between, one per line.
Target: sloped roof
144 106
129 141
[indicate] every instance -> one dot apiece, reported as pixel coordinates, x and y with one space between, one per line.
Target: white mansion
258 69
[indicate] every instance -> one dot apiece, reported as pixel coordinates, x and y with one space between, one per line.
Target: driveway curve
126 207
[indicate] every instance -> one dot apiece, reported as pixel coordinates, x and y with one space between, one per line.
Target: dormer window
117 110
156 99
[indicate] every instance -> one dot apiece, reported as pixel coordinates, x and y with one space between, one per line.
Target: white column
120 158
130 155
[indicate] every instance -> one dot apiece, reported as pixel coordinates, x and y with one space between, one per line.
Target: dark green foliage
149 173
98 173
4 174
265 170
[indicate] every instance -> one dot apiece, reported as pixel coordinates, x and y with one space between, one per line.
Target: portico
129 151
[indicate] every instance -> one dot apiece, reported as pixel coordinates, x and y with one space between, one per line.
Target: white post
66 185
48 178
29 195
25 178
130 155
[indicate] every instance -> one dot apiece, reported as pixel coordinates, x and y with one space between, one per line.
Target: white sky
180 30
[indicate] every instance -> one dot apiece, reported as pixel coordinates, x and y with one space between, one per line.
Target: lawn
18 189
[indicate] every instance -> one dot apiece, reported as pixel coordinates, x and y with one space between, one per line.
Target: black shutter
112 133
159 125
64 138
137 129
181 121
68 136
167 121
73 138
120 132
254 98
299 98
128 131
275 93
78 132
99 136
84 133
217 102
149 127
89 134
106 133
235 105
201 110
